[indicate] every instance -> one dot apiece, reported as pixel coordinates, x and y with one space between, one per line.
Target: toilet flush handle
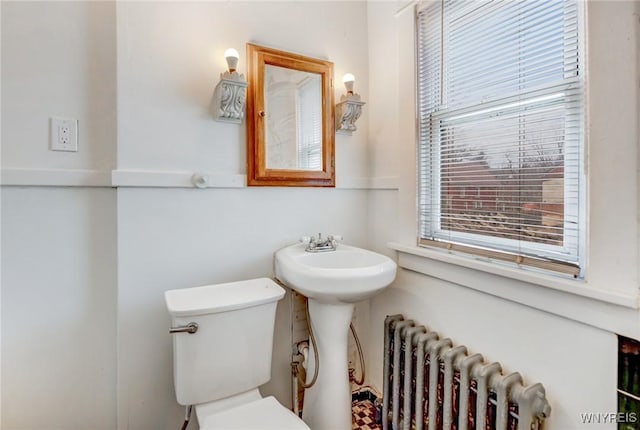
189 328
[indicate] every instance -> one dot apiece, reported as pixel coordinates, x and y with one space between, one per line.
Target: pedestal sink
332 281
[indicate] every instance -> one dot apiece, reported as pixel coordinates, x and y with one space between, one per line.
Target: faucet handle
305 239
333 240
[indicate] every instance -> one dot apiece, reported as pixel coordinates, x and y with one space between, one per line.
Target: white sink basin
346 275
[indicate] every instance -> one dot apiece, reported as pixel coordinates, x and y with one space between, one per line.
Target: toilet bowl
261 413
222 346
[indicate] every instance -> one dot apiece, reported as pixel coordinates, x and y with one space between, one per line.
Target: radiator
431 384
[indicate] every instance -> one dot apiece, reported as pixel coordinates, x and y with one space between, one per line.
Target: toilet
222 345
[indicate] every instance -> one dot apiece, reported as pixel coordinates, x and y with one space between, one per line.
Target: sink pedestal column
327 405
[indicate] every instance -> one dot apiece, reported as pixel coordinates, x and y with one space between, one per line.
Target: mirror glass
293 101
290 119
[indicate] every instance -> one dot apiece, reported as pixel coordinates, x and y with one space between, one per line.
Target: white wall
204 237
58 59
58 308
170 56
103 256
168 61
558 337
58 244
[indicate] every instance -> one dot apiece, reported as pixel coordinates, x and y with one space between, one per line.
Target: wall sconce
349 108
230 93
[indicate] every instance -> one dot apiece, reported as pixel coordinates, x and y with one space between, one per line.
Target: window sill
574 299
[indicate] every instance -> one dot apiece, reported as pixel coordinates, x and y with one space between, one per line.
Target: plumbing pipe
187 417
360 381
316 367
294 387
303 349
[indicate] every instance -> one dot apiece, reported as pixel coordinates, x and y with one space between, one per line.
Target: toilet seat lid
263 414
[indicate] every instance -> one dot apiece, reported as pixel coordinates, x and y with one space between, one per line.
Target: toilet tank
231 351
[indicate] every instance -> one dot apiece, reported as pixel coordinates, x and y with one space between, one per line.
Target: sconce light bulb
348 80
232 56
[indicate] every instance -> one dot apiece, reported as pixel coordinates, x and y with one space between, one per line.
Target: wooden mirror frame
257 172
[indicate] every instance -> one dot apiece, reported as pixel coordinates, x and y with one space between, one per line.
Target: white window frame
498 249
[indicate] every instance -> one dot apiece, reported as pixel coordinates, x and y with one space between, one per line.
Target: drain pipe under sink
302 349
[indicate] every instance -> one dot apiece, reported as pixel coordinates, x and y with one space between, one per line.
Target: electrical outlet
64 134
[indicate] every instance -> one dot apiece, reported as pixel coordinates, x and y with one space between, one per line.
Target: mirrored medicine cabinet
290 119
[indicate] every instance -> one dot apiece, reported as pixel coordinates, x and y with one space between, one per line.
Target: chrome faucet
318 244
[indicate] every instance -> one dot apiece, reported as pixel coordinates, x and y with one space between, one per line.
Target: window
500 112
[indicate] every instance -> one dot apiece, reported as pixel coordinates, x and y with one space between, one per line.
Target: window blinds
500 129
309 147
